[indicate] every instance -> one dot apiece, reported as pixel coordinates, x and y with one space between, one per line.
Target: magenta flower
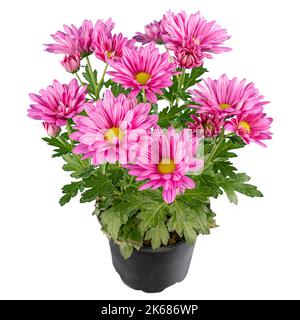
167 163
153 33
210 124
227 97
144 68
52 129
58 103
251 127
73 40
113 129
109 47
193 37
71 63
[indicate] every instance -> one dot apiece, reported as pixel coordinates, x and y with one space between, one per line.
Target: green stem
92 75
144 95
131 180
68 126
209 161
104 168
62 141
79 79
99 85
181 80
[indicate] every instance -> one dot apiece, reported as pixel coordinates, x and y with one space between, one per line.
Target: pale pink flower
52 129
113 129
251 127
71 63
58 102
167 163
153 33
227 96
193 36
74 41
209 124
144 68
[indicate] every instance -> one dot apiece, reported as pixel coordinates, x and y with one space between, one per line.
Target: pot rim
163 248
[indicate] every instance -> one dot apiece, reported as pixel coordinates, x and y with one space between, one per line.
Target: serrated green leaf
88 78
112 220
237 183
75 165
152 214
60 148
158 235
192 78
70 191
116 88
126 250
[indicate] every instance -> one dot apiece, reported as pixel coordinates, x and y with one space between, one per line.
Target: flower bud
52 129
71 63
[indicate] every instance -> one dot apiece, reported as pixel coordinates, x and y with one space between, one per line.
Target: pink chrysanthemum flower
74 41
58 102
192 36
113 129
144 68
166 163
153 33
71 63
209 124
188 54
227 97
109 47
251 127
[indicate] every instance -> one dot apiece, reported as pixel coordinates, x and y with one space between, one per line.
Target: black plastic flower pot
153 270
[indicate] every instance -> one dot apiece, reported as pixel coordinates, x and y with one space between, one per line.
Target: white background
49 252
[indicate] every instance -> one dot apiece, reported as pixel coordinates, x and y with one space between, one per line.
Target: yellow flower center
109 54
142 78
113 133
245 126
224 106
166 166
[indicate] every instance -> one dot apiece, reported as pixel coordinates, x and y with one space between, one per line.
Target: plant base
153 270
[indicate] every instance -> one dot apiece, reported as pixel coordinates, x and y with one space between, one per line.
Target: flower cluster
234 104
116 121
191 38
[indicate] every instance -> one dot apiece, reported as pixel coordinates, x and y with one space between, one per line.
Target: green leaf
223 151
189 222
225 168
98 186
70 191
152 214
116 88
177 116
126 250
75 165
60 147
88 78
167 115
193 78
116 174
112 220
158 235
237 183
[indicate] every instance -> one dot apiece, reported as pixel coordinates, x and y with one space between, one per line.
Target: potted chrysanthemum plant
151 144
